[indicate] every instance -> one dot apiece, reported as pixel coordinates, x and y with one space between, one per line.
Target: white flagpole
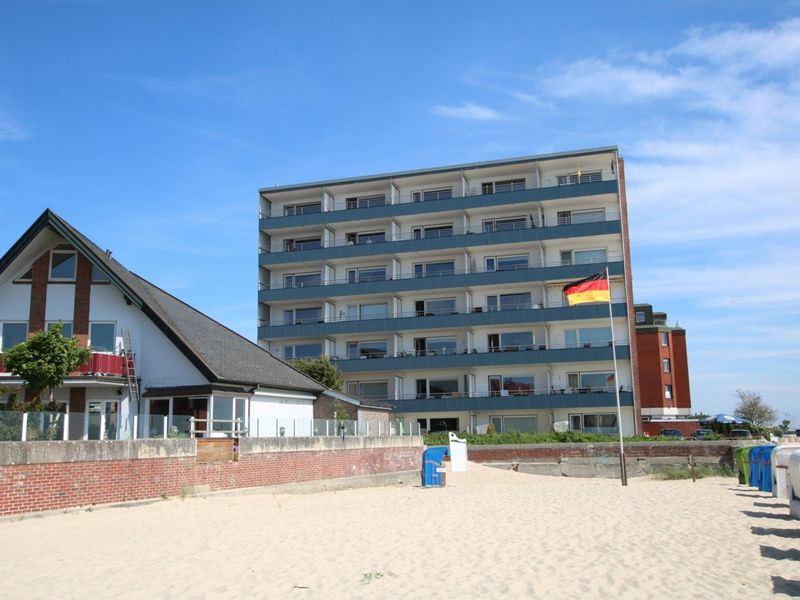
622 470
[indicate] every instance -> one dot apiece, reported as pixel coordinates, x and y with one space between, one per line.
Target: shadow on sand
756 514
790 587
784 533
779 554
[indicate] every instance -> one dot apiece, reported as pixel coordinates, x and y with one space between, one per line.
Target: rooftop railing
531 222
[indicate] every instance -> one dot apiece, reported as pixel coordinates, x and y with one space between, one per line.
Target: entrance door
103 420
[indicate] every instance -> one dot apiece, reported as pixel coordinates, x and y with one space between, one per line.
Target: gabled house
156 362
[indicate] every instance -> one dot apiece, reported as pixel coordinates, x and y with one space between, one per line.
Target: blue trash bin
432 459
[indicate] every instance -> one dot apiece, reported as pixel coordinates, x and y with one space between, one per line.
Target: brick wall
58 475
555 452
83 290
680 370
323 408
41 275
651 388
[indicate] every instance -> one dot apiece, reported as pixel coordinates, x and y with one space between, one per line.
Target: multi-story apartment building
663 365
440 290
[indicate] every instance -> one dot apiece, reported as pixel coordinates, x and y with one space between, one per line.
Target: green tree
43 361
752 407
322 370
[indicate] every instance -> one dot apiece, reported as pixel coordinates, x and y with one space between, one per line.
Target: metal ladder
130 365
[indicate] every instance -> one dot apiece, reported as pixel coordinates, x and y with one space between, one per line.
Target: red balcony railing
98 364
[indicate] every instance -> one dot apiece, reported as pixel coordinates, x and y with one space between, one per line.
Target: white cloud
469 111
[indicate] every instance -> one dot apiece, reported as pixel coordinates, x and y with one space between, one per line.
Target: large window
507 224
498 187
509 302
436 345
366 311
101 337
437 388
63 264
506 263
510 341
510 385
366 274
436 306
370 349
587 337
365 201
433 231
298 280
302 209
312 350
66 328
298 316
524 423
600 424
583 257
594 215
303 244
602 381
13 334
374 237
436 269
428 195
372 390
580 177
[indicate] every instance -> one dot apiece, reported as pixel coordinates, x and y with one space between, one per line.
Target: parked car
702 434
741 434
672 433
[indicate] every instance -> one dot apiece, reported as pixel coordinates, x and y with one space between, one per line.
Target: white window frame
666 365
294 275
420 193
114 349
498 258
50 272
71 326
11 321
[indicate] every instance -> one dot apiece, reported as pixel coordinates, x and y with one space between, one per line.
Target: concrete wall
37 476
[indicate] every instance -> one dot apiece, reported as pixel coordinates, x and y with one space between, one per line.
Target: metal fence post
258 428
136 427
65 432
327 428
23 436
165 425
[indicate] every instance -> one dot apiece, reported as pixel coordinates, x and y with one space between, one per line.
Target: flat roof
442 169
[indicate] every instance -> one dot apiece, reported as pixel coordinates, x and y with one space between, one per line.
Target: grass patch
701 471
374 576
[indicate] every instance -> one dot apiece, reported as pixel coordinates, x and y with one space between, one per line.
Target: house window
574 178
664 338
583 257
433 231
668 391
665 365
506 263
602 381
436 306
592 215
510 341
26 277
302 351
375 237
428 195
508 302
66 328
101 337
13 334
298 316
435 345
371 390
522 423
507 224
365 201
298 280
603 424
366 311
302 209
63 264
436 269
302 244
587 337
498 187
364 274
98 276
372 349
641 317
511 385
437 388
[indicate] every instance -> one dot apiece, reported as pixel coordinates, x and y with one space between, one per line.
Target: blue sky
151 125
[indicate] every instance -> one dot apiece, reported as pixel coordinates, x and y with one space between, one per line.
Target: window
366 274
66 328
428 195
435 345
511 385
665 365
524 423
592 215
641 317
437 388
372 349
302 209
375 237
365 201
298 316
443 424
433 231
98 276
591 382
366 311
436 269
62 264
436 306
516 340
668 391
498 187
583 257
574 178
664 338
507 224
587 337
26 277
508 302
373 390
101 337
601 424
506 263
298 280
313 350
303 244
13 334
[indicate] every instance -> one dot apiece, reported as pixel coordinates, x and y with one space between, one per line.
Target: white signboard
458 453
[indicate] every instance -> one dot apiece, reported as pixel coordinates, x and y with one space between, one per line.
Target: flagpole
622 470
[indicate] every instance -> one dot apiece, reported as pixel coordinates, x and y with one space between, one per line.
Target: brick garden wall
59 475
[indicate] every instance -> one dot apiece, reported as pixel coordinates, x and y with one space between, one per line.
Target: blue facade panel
443 282
450 204
496 403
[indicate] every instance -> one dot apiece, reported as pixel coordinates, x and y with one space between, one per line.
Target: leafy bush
440 438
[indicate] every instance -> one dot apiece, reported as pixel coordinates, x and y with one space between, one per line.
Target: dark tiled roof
220 354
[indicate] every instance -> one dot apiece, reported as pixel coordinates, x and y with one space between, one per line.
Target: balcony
531 355
414 321
537 399
305 251
405 205
99 365
556 270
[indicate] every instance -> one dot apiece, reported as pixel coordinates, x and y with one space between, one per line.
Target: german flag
591 289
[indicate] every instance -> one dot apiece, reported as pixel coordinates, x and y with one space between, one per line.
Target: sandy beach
488 534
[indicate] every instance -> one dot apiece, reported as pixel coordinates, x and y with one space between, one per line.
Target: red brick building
663 365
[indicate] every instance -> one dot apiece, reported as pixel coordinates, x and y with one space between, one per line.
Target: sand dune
488 534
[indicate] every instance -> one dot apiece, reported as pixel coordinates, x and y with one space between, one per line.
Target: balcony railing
99 363
412 197
495 393
611 257
426 313
532 222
